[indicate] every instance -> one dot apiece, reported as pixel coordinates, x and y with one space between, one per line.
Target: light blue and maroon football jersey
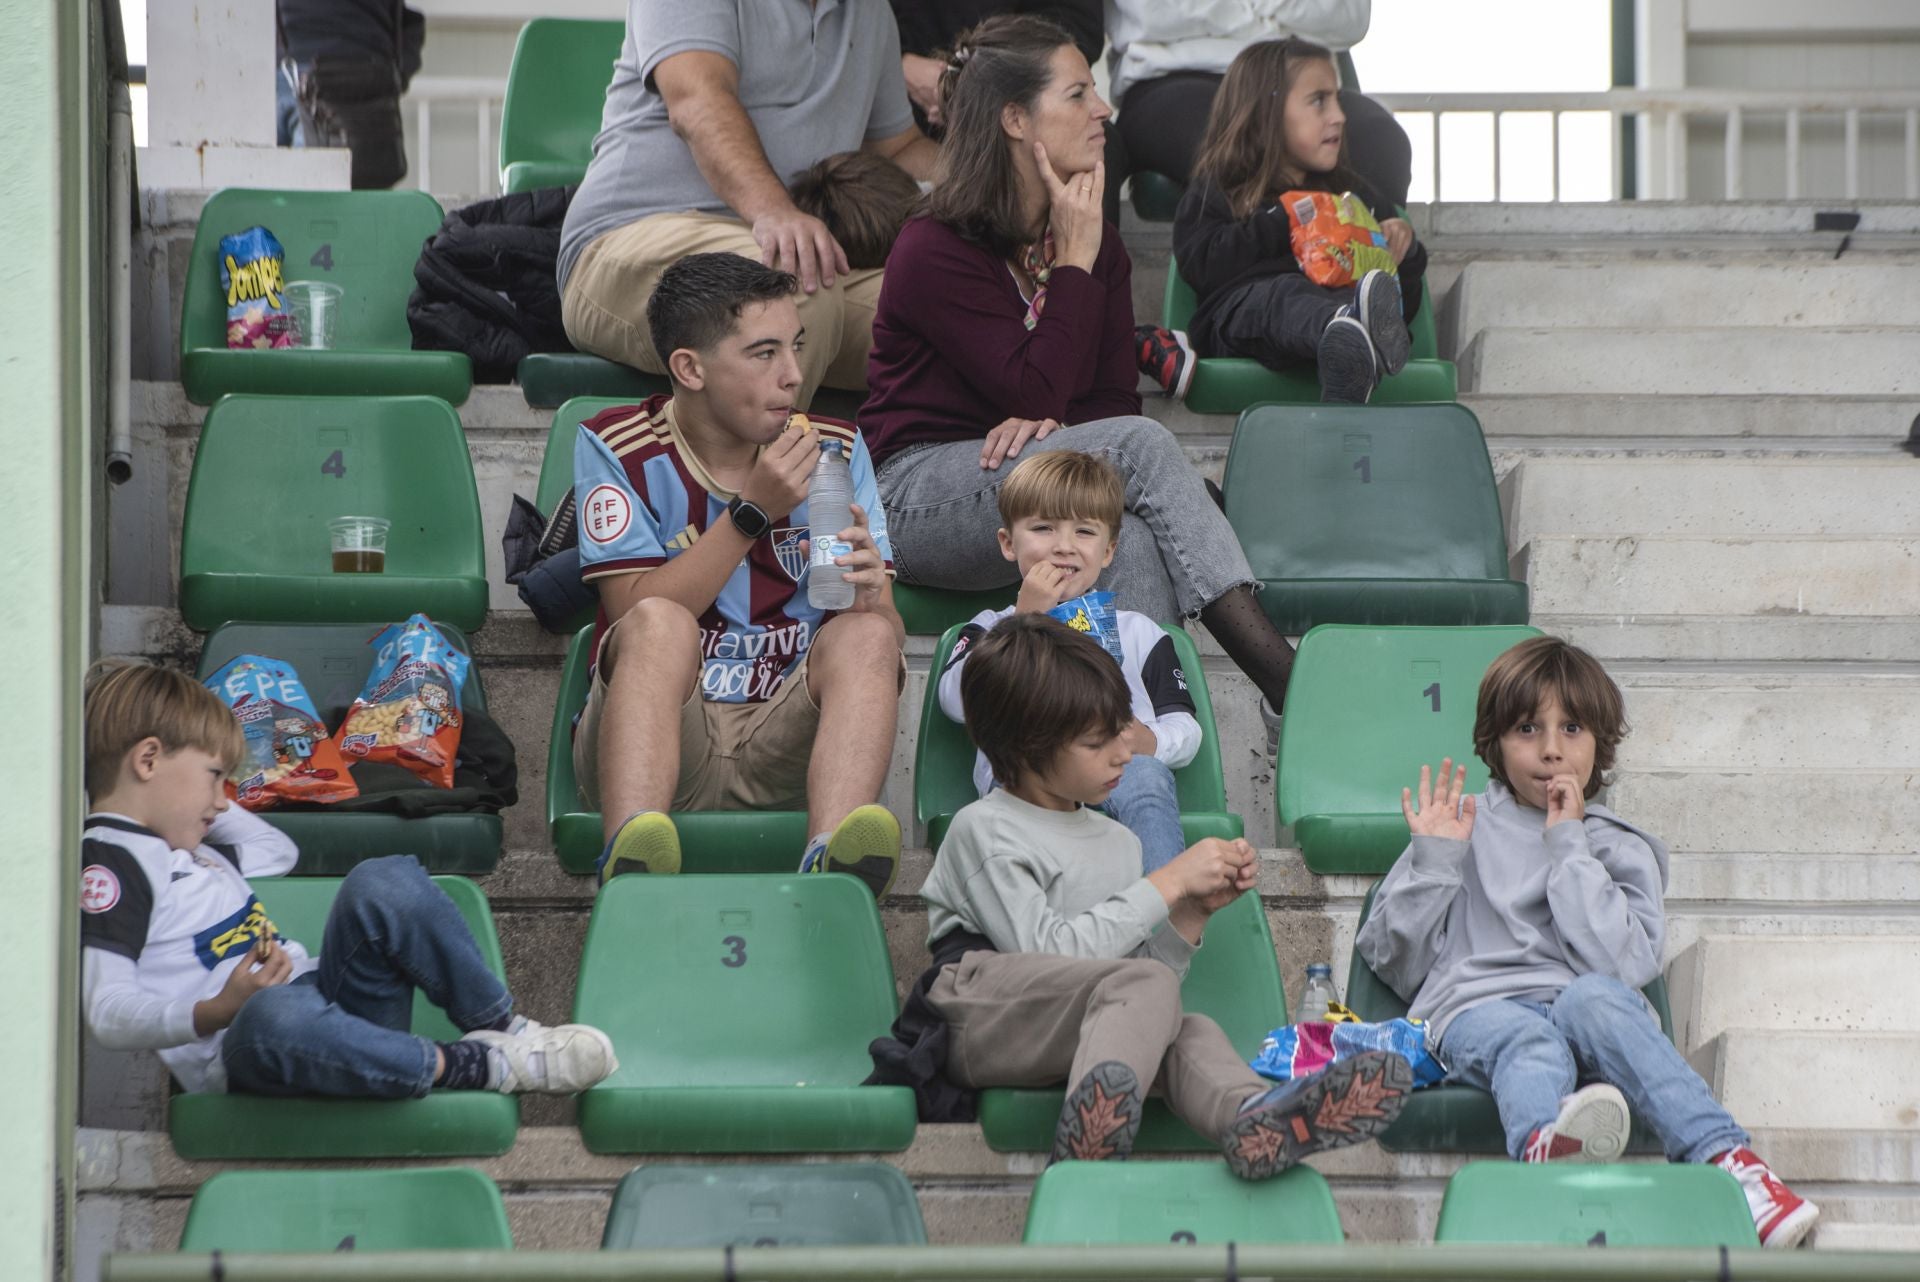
643 498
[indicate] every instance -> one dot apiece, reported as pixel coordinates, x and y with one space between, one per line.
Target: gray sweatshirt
1519 910
1065 882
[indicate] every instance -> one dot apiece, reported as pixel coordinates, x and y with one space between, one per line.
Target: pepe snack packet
408 713
289 757
1094 615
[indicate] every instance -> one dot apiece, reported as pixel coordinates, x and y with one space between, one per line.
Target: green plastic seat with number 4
741 1009
1381 514
208 1126
1366 708
1682 1204
766 1204
333 660
446 1208
1452 1118
944 756
1089 1203
1234 980
366 242
272 471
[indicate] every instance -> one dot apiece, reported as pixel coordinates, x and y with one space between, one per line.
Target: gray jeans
1177 554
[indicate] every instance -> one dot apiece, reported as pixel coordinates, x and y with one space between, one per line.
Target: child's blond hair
128 702
1063 485
1520 680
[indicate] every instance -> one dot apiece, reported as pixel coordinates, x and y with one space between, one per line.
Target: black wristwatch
749 518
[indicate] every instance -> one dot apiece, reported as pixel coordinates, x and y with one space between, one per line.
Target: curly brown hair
1520 680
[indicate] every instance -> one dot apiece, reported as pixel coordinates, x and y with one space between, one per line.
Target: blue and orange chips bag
1335 237
289 757
408 712
252 275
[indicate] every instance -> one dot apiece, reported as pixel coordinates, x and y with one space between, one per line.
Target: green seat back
1452 1118
766 1204
1230 384
741 1008
943 756
1093 1203
333 660
272 471
447 1208
1366 708
711 841
443 1124
1234 980
366 242
1383 514
556 89
1683 1204
548 379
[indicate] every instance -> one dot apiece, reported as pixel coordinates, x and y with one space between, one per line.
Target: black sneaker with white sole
1377 303
1348 368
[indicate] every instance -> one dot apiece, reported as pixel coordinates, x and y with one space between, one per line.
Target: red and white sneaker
1782 1216
1165 356
1591 1127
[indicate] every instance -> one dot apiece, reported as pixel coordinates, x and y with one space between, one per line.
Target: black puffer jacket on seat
484 284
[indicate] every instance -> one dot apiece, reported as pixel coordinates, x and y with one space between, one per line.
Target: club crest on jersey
786 548
99 888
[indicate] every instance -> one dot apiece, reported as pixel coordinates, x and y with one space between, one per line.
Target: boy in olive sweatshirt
1522 924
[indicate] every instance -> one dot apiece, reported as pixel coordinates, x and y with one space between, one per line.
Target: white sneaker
552 1061
1591 1127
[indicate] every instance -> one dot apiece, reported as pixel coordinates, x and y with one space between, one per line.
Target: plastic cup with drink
359 544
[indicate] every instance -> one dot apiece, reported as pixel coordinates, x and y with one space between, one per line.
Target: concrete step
1777 362
1795 984
1654 294
1798 575
1712 497
1782 638
1577 417
1819 1080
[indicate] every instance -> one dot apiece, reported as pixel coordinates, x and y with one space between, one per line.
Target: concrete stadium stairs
1695 413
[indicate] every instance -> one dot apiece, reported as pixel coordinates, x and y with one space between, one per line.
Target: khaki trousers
604 306
1034 1019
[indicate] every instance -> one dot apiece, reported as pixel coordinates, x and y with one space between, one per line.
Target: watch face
752 521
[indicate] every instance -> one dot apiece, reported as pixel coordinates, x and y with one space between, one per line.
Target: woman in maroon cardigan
1005 327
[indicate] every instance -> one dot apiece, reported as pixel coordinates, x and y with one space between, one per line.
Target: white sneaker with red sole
1591 1127
1782 1216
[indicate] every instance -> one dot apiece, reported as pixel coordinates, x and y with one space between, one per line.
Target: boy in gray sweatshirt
1521 924
1056 961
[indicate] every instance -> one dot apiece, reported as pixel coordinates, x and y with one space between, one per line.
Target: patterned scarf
1038 262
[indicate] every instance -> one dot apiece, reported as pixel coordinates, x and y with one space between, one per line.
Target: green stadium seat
272 471
711 841
333 660
1366 708
366 242
1566 1204
549 379
1235 979
444 1124
1230 384
1381 514
445 1208
943 757
1156 197
741 1008
928 612
765 1204
1455 1118
1095 1203
556 88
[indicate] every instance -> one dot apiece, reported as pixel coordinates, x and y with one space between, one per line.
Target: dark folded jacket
484 283
914 1053
485 778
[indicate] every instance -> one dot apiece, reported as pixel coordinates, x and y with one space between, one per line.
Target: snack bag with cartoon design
409 710
289 757
252 274
1335 237
1094 615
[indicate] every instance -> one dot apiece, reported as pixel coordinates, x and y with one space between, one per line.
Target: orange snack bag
289 757
408 712
1335 237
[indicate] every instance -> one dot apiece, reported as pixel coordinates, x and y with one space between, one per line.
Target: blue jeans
1146 803
341 1030
1530 1054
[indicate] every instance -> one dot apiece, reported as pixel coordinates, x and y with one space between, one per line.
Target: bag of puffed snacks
289 757
408 712
253 277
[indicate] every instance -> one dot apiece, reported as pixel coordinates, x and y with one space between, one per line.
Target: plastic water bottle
829 496
1316 995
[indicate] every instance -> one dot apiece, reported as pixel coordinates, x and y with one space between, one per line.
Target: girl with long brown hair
1276 127
1005 327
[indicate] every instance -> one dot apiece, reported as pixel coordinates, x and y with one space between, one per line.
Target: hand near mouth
1565 800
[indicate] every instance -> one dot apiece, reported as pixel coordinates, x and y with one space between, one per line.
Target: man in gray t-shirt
715 105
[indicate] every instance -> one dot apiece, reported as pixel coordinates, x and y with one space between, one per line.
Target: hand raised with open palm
1442 812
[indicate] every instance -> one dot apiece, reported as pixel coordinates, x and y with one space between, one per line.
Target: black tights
1256 647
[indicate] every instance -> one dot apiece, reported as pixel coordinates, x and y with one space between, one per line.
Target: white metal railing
1663 162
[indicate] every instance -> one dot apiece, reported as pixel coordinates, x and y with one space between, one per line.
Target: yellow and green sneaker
866 844
646 842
